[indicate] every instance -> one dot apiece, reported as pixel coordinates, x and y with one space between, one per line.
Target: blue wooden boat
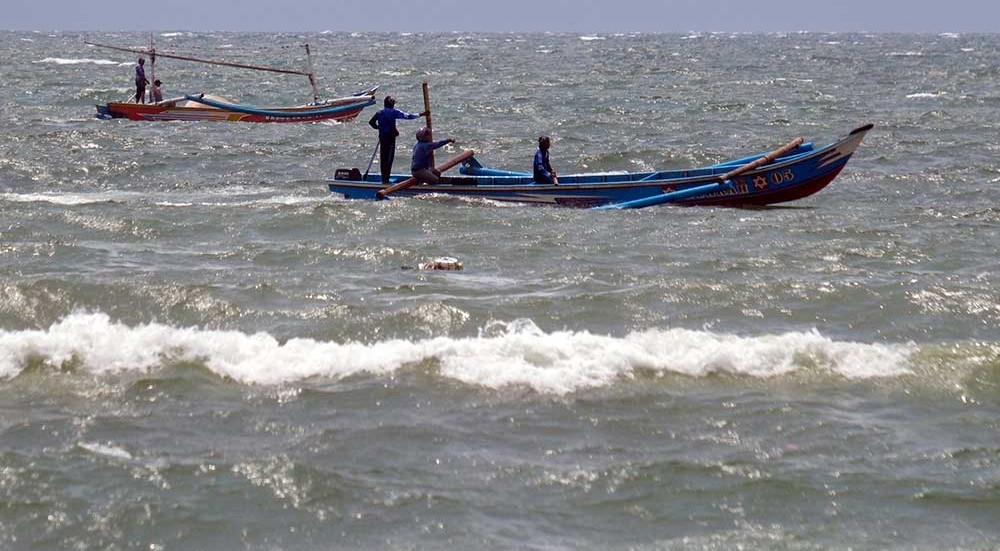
792 172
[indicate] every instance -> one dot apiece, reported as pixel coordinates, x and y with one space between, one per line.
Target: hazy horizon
509 16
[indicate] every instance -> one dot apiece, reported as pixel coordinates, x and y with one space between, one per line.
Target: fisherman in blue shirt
385 122
421 168
140 81
543 170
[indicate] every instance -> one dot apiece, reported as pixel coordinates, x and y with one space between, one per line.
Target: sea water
202 348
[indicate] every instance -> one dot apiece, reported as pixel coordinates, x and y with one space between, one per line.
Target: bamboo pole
762 161
200 60
427 109
311 74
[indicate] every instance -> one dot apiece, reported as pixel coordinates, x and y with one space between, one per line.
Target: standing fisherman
140 81
385 122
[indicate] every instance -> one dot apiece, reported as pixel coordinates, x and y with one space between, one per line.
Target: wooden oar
380 194
661 198
378 142
769 158
170 100
427 110
721 182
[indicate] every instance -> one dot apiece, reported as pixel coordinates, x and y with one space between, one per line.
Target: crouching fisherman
421 167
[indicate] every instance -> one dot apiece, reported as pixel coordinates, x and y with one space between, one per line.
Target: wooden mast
311 74
152 61
427 109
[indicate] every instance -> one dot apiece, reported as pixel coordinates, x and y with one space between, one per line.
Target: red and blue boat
796 170
206 107
203 107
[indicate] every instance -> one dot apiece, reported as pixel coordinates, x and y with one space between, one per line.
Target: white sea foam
106 450
516 353
173 204
65 199
294 200
267 201
77 61
925 95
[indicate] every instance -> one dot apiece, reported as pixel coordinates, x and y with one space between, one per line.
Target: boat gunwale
453 183
307 110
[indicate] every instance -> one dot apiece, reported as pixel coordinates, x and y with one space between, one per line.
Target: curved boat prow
369 92
864 128
843 149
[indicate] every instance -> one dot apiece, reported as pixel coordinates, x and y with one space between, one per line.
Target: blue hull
801 172
319 111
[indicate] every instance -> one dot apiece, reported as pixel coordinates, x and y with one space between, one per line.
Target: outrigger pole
153 53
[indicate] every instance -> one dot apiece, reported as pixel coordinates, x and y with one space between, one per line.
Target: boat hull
789 178
198 108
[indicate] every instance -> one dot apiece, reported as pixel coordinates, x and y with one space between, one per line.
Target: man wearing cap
385 122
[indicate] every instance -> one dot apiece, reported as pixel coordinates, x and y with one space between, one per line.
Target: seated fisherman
542 169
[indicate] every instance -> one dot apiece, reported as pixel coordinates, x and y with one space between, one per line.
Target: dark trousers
386 153
541 178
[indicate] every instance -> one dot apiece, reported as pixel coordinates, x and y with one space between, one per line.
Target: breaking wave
515 353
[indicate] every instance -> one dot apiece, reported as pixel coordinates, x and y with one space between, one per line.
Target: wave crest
504 354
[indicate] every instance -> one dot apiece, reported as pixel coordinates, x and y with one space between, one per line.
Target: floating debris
442 263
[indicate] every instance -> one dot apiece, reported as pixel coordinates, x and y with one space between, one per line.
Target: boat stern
349 183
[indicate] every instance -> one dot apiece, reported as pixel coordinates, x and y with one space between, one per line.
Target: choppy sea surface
202 348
